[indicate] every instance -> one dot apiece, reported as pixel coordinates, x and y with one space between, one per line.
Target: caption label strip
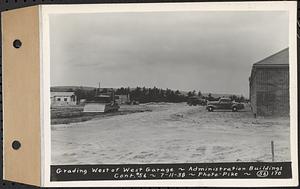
239 170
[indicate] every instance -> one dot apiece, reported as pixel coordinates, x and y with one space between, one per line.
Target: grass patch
74 114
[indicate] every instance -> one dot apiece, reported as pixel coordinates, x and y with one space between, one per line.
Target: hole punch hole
16 145
17 43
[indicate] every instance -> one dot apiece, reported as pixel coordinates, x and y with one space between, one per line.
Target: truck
194 101
224 104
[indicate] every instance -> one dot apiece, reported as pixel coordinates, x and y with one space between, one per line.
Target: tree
234 98
242 98
85 94
194 92
210 98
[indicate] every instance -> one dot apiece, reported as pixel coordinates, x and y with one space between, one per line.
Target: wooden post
272 149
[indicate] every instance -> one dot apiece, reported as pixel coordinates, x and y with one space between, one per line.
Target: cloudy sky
207 51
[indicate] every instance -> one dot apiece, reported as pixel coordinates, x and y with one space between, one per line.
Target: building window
65 99
58 99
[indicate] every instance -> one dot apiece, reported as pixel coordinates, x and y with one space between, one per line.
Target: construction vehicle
194 101
102 102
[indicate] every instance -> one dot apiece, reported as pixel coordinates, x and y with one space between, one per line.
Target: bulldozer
102 103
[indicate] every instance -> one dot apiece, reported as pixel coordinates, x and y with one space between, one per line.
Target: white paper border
46 10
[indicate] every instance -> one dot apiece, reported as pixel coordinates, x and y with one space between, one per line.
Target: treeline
232 97
238 98
88 95
138 94
144 95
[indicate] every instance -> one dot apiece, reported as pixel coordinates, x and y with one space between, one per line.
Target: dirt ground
171 133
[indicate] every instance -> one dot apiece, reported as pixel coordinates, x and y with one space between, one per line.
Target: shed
269 85
63 98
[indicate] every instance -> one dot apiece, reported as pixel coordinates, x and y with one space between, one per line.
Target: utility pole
98 91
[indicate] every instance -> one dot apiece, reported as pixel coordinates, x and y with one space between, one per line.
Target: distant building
63 98
122 99
269 85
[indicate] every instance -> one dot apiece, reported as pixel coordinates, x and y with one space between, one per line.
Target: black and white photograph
169 87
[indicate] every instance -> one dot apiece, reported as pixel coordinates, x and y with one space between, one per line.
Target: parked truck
194 101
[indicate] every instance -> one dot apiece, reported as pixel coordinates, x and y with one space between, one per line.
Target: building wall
252 96
269 91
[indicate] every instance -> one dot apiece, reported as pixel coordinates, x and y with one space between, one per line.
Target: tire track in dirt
171 133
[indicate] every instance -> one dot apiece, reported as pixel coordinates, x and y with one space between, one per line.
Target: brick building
269 85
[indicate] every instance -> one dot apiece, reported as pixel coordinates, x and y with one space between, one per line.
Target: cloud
210 51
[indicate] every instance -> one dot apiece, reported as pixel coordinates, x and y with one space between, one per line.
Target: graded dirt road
171 133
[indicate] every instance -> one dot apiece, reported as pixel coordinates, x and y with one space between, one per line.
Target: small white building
63 98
